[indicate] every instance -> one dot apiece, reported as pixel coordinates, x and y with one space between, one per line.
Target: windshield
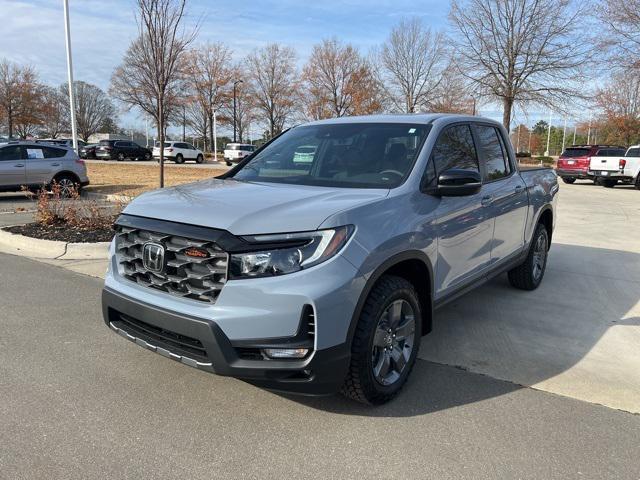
361 155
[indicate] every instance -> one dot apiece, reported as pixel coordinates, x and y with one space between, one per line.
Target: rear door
464 225
12 166
43 163
504 193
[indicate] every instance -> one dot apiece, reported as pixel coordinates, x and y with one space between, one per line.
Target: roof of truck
424 118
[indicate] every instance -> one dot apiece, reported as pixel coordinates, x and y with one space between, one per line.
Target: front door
12 167
464 225
505 192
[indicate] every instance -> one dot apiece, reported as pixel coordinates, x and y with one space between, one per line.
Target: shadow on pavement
525 337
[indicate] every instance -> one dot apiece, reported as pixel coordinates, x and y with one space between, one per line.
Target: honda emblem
153 257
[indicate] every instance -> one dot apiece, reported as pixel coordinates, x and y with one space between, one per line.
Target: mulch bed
62 233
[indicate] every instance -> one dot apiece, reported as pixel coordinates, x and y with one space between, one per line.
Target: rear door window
493 153
633 152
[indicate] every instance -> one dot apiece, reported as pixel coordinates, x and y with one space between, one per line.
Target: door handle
19 165
55 164
519 188
486 201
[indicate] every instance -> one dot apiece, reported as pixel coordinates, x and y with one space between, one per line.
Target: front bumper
202 344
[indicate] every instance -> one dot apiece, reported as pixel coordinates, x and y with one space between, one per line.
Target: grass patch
132 180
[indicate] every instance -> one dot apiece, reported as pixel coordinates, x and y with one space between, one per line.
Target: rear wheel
568 180
147 156
528 275
179 158
228 164
385 343
638 182
121 157
69 185
199 158
608 182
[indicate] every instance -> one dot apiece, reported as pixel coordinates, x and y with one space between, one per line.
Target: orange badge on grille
196 252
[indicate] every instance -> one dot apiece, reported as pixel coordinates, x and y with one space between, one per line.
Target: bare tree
452 94
339 81
209 76
55 111
273 84
412 58
622 18
151 70
198 120
93 108
522 51
18 95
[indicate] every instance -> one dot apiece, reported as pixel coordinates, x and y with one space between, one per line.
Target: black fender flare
381 270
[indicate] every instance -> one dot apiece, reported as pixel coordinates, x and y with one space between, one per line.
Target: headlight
287 253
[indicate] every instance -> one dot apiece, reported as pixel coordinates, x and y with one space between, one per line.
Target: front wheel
199 159
528 275
385 343
568 180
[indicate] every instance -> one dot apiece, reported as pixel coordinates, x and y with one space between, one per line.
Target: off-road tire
522 276
360 383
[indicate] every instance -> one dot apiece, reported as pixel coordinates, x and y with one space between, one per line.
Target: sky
101 31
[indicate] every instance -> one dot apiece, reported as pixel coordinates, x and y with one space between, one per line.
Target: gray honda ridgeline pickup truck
316 264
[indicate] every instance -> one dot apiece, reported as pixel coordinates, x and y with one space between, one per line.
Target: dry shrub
54 208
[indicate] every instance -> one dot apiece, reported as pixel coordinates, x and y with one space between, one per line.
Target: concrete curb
49 249
107 197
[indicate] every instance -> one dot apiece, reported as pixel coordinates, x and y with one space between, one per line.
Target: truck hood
244 208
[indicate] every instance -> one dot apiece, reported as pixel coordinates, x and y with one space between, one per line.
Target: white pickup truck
608 171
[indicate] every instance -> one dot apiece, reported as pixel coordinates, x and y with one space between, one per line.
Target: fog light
285 352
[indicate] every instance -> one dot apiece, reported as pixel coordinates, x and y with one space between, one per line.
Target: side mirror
457 182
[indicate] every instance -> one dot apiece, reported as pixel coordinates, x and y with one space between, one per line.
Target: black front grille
159 337
195 277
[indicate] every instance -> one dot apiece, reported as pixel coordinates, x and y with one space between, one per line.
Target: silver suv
35 165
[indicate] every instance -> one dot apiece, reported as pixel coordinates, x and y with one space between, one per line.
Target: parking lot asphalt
79 402
15 209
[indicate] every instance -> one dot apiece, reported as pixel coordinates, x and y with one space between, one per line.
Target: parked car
63 142
575 162
35 165
234 152
178 152
88 151
121 150
323 279
618 168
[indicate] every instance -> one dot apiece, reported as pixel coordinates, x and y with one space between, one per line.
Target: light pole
564 133
546 154
235 85
72 102
215 137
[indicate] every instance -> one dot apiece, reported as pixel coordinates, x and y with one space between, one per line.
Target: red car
574 162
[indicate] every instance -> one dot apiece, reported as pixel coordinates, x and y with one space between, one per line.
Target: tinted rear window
106 142
610 152
576 152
